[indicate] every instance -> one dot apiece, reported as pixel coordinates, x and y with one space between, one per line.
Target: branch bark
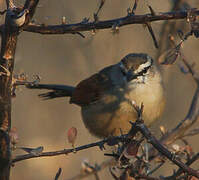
9 34
110 141
126 20
8 47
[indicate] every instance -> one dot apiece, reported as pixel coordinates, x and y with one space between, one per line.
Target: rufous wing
90 89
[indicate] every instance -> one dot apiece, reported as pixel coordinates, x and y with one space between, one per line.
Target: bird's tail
56 90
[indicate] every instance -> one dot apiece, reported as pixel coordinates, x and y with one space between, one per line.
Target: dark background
67 59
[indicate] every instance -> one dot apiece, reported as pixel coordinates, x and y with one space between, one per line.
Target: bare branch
188 163
156 144
130 19
138 125
58 174
152 35
15 18
110 141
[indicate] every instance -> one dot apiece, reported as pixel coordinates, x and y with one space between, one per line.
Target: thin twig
152 35
188 163
102 166
98 10
58 174
110 141
134 7
164 151
192 132
146 177
156 168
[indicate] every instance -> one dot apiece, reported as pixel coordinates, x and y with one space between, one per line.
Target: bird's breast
111 114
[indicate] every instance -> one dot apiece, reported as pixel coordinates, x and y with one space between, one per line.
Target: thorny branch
188 163
110 141
164 151
88 26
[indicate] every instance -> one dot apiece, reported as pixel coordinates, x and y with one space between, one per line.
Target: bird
106 97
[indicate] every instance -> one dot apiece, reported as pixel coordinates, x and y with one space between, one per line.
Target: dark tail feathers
57 90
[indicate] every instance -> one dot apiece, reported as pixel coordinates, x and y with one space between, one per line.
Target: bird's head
136 67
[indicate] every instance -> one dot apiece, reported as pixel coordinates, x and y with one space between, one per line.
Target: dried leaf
72 135
131 149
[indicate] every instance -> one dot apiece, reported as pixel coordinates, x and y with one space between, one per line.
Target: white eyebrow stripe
147 64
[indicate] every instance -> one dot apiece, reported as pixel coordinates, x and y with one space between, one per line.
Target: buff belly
111 114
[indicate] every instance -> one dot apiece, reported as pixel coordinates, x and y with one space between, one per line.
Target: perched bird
106 97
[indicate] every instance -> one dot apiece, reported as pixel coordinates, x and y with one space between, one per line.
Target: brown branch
192 115
188 163
8 46
152 35
164 151
58 174
96 18
146 177
9 34
193 132
129 19
110 141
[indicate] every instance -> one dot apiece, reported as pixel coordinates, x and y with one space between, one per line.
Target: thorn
115 28
151 10
80 34
84 20
134 7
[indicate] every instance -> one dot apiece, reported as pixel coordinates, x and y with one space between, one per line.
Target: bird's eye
123 72
144 71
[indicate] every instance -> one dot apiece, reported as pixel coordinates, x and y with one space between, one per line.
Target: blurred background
67 59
